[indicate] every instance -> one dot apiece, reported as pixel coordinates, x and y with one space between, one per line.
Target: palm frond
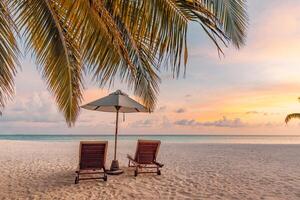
110 51
158 23
145 79
8 53
129 40
232 18
292 116
158 29
133 25
56 51
226 19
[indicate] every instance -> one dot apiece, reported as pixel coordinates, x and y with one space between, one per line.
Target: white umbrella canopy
116 102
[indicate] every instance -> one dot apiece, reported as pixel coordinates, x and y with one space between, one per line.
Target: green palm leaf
143 79
222 20
158 25
292 116
56 51
232 18
8 53
126 40
112 52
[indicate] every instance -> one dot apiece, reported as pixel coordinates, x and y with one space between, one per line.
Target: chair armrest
159 164
129 157
132 160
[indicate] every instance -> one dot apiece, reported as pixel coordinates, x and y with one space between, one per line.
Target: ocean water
222 139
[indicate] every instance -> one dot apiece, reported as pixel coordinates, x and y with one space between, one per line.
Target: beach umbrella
117 102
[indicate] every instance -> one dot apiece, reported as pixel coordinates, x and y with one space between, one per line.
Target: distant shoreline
212 139
213 135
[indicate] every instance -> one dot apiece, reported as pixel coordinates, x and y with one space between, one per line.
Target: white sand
45 170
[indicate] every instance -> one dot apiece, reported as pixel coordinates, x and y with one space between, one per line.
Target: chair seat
92 156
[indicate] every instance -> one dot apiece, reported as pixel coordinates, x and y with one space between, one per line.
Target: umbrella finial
118 92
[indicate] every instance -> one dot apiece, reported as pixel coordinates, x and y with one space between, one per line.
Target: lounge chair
92 156
145 157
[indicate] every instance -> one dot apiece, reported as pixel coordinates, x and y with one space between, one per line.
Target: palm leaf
8 53
154 31
232 18
139 30
56 51
159 25
227 19
110 51
144 80
292 116
129 40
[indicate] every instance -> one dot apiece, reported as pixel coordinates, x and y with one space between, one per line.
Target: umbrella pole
114 168
116 133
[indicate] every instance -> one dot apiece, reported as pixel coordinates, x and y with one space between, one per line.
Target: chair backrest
92 154
146 151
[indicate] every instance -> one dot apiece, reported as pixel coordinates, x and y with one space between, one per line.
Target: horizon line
147 135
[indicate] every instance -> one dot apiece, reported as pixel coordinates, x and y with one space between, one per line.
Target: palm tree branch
56 52
292 116
143 78
160 23
145 82
130 39
100 44
64 45
113 29
8 53
229 16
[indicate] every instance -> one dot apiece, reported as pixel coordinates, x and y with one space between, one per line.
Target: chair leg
158 171
136 171
77 178
105 176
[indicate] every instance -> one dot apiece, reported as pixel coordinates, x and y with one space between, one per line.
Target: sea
219 139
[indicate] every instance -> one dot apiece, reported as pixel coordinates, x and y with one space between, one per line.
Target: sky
246 91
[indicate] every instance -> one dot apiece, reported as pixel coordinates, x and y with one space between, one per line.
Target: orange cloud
280 99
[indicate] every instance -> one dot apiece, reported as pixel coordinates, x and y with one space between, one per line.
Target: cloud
252 112
260 113
37 108
165 122
185 122
180 110
158 122
224 122
256 113
143 123
162 109
227 123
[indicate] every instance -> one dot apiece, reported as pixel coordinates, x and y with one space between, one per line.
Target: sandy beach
45 170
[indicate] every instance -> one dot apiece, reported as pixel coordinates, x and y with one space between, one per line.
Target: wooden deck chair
145 157
92 156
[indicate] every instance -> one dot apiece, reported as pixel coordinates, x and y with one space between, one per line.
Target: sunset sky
247 91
